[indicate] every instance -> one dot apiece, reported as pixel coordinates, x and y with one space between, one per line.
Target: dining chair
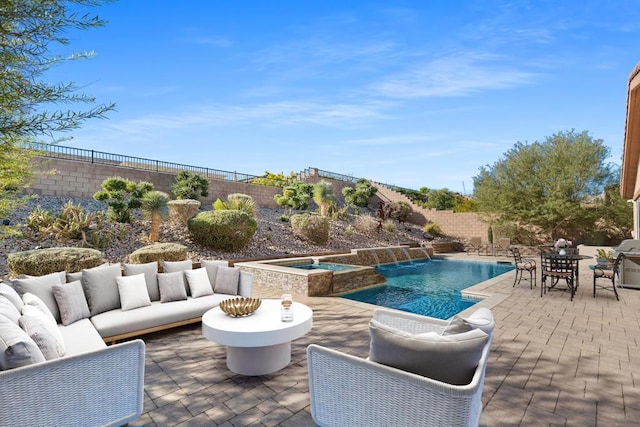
523 265
609 273
556 267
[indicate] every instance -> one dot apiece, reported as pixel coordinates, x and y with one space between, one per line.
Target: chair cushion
101 289
150 271
81 337
72 277
227 281
172 287
212 268
133 291
72 302
41 286
16 347
452 359
43 331
198 281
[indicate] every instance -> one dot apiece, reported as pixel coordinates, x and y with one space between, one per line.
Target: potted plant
604 258
562 245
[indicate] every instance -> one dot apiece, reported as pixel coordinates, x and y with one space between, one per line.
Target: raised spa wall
276 273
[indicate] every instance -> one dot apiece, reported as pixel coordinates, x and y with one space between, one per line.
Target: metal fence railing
140 163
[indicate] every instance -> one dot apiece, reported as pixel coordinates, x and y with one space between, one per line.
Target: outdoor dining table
548 258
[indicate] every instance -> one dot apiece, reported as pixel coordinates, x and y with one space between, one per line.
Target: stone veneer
275 274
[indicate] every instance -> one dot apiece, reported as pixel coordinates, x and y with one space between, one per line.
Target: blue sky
411 93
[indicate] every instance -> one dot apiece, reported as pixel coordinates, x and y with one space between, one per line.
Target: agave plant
154 206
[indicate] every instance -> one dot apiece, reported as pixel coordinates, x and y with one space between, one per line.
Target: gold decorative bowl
238 307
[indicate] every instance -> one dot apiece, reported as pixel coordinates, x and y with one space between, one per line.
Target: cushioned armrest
409 322
347 390
102 387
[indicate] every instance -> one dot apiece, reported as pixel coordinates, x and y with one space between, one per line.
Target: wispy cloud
459 74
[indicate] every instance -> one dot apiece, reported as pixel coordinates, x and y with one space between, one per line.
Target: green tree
614 215
360 195
295 196
546 184
189 185
323 196
121 195
154 204
29 31
464 204
271 179
441 199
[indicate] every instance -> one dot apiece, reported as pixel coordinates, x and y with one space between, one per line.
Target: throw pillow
133 292
212 268
227 281
482 319
34 301
172 286
8 309
72 277
150 270
71 301
198 281
451 359
40 286
101 289
7 291
43 331
173 266
16 347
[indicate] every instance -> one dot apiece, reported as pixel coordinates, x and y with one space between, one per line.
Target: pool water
324 266
430 287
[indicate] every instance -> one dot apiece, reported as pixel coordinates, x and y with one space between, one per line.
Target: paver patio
553 362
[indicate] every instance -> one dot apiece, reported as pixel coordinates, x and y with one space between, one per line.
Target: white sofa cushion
41 286
8 309
150 270
172 287
81 337
100 288
198 281
72 277
227 281
7 291
43 330
71 302
173 266
133 291
452 359
16 347
117 322
212 268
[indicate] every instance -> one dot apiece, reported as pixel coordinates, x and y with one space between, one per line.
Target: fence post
91 156
157 167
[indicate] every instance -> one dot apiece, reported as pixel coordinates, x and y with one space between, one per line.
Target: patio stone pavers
553 362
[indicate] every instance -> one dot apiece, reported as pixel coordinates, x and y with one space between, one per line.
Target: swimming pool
431 288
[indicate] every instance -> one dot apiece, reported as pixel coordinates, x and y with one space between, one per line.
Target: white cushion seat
80 337
118 322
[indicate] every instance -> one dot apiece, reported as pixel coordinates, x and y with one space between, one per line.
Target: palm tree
323 196
154 205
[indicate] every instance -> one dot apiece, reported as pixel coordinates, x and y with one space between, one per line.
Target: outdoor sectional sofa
57 369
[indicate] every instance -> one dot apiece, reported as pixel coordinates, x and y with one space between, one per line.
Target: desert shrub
189 185
181 210
311 227
323 196
388 225
365 224
228 230
399 211
159 252
284 218
360 195
432 228
39 219
121 196
155 207
295 196
237 202
38 262
349 230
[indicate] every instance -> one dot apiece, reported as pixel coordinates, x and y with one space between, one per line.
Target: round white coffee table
258 344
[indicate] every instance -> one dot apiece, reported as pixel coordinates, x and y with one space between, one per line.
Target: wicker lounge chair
346 390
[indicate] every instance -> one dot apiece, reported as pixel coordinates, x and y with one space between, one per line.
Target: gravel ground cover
273 237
